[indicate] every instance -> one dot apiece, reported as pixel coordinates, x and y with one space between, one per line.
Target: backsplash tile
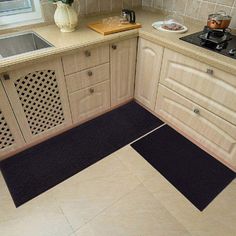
197 9
86 7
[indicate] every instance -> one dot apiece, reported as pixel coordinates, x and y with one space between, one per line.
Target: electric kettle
128 16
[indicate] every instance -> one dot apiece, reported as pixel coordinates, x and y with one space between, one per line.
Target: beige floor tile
137 213
135 163
38 217
91 191
217 219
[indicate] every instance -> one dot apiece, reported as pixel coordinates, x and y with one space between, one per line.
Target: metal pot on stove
219 20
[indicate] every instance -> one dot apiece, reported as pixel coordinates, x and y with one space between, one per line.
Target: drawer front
209 87
85 59
212 132
87 78
90 102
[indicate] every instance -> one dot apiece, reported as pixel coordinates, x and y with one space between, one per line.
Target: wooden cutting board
114 28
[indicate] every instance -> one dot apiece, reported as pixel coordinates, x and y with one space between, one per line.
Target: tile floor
122 195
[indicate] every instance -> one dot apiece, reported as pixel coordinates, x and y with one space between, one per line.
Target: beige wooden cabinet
148 72
212 132
207 86
90 102
201 102
10 135
122 62
89 88
39 99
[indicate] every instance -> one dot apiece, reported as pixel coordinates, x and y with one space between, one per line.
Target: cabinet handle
196 111
210 71
87 53
6 77
90 73
114 47
91 90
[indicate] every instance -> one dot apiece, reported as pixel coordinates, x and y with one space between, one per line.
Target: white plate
158 25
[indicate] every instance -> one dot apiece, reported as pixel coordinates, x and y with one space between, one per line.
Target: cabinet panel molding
123 62
148 72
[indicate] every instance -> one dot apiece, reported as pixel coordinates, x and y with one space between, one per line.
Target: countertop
65 43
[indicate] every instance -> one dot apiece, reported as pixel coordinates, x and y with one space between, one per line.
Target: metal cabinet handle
90 73
114 47
87 53
210 71
6 77
91 90
196 111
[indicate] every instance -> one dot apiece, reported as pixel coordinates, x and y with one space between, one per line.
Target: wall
85 7
197 9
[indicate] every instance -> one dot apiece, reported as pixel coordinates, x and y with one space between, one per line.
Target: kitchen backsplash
85 7
197 9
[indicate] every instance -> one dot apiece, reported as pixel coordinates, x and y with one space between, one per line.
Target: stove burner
219 41
217 37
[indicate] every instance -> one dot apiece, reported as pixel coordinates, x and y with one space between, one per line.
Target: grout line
67 220
106 208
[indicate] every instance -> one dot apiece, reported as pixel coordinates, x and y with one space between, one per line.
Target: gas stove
220 41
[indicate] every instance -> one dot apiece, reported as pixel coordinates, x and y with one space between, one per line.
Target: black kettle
129 15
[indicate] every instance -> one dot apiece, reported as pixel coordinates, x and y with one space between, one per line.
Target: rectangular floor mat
196 174
41 167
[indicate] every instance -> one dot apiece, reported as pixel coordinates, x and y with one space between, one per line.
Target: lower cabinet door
10 134
90 102
213 133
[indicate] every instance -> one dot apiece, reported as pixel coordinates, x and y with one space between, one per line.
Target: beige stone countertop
84 37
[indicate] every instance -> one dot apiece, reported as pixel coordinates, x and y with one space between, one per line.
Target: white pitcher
65 17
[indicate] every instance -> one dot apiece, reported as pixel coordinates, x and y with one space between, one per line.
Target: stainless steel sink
16 44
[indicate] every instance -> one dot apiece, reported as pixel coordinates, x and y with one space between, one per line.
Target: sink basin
16 44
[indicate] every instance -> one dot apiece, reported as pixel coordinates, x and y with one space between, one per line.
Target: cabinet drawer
87 78
212 132
85 59
90 102
209 87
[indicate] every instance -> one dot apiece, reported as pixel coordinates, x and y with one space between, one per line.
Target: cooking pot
219 20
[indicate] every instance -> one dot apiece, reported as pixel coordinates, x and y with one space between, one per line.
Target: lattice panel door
10 135
6 137
39 99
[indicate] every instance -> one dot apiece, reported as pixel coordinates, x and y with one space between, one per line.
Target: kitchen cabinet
10 135
209 130
89 102
199 101
39 99
122 63
89 88
85 59
148 72
209 87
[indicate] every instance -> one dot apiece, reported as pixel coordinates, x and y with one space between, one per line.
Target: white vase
65 17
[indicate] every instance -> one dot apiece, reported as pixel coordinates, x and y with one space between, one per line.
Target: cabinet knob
91 90
196 111
90 73
210 71
114 47
6 77
87 53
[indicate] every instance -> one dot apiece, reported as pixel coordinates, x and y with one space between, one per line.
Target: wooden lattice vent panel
40 99
6 138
